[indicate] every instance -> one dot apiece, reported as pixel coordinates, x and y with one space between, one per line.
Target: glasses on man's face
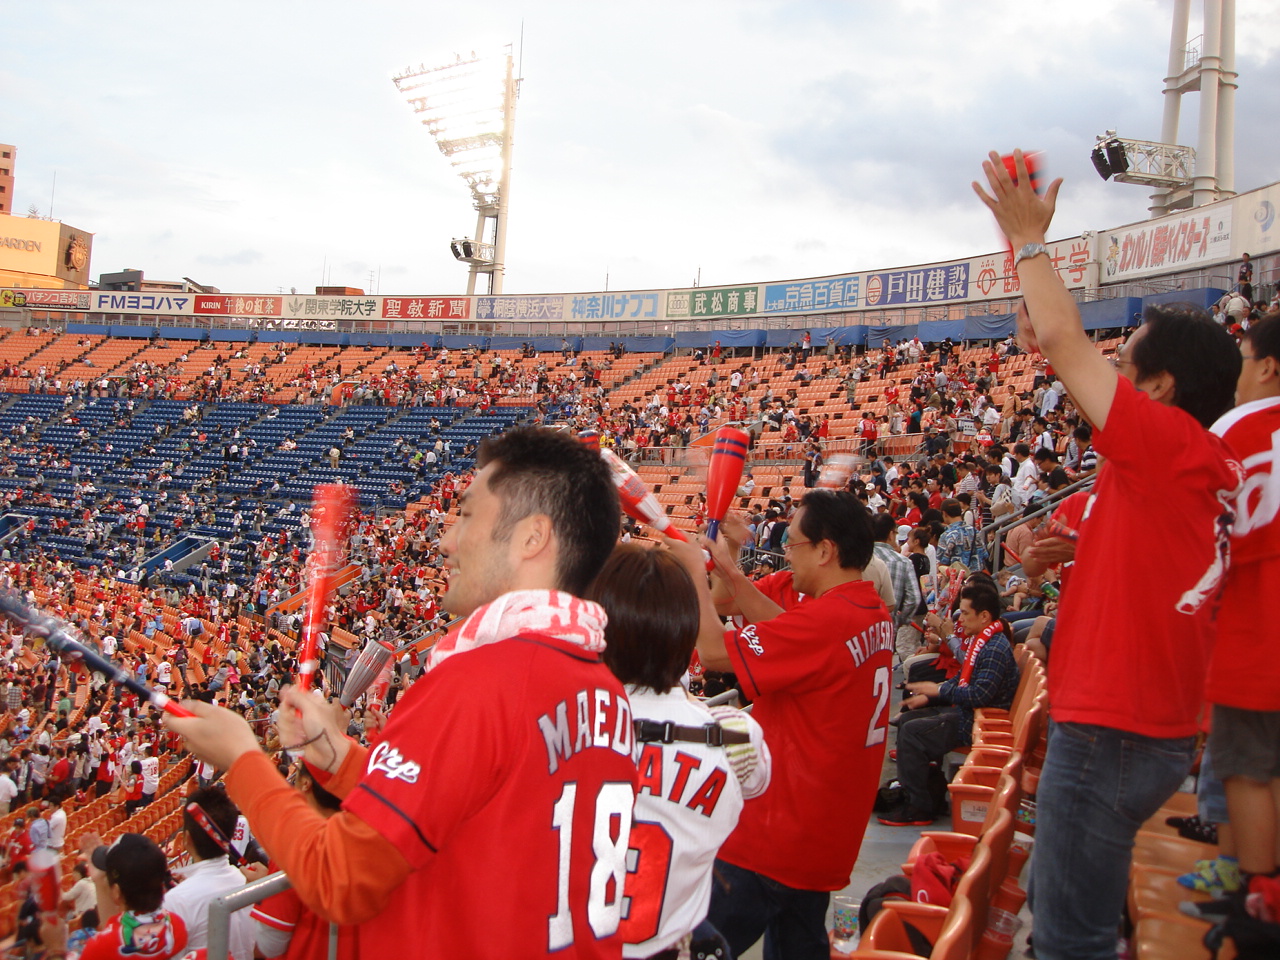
786 547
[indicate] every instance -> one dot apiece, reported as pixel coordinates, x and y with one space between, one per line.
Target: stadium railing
249 895
1006 523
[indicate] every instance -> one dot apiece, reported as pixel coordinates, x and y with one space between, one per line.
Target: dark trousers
924 736
746 905
922 672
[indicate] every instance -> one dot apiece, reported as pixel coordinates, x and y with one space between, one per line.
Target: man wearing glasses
1143 590
815 657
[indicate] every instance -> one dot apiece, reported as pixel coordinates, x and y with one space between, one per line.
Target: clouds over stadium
256 144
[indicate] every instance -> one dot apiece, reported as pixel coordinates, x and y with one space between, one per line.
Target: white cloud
751 140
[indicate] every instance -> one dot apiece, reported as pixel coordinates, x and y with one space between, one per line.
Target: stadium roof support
1206 65
1186 177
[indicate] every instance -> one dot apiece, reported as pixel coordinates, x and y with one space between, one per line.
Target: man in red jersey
284 925
1133 633
492 818
1244 687
816 658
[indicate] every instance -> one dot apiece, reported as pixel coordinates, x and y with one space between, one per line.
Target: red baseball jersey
819 674
156 936
1148 571
308 932
505 778
1237 676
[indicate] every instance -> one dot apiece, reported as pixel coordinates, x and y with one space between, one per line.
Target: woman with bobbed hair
697 764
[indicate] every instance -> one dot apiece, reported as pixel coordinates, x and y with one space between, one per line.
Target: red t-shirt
506 768
164 937
820 677
19 847
1135 630
1070 514
1243 672
309 934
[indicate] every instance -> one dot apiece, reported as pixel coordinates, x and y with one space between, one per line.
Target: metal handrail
220 910
1007 522
728 698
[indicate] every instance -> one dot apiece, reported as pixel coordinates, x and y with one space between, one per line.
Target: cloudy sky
262 146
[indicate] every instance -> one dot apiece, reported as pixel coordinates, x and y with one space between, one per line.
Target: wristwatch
1029 250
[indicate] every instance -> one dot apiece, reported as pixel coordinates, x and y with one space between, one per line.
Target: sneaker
1217 877
893 754
1210 911
1193 828
904 816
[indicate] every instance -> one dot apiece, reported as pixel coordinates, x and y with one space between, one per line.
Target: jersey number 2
604 904
879 724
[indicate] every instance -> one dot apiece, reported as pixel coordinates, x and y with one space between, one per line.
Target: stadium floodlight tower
469 107
1184 177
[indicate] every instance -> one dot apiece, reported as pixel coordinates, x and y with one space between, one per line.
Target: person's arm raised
710 643
747 599
733 530
1051 321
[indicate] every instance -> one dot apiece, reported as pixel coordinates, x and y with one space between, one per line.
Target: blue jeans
745 904
1211 794
1097 787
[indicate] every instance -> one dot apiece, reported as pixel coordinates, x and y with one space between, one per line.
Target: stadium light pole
469 107
1185 177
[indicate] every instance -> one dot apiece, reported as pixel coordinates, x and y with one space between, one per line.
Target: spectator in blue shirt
960 542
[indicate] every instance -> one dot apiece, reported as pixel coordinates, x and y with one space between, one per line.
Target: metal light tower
1185 177
469 107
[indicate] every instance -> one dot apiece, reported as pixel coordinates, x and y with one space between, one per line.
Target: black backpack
895 888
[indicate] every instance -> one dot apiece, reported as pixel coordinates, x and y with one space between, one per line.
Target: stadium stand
156 495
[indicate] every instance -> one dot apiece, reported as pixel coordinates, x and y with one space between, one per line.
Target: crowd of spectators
986 452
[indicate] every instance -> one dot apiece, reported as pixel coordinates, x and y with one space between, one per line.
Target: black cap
133 861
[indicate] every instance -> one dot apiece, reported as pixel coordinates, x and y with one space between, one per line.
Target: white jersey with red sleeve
687 803
505 778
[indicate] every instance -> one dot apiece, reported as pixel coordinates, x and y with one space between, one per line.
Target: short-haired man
1118 749
906 585
209 875
1244 688
510 758
1244 277
938 717
816 659
1027 475
57 822
284 925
